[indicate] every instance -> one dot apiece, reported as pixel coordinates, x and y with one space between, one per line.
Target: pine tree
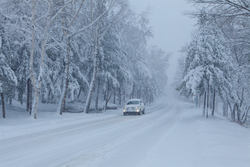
207 62
8 81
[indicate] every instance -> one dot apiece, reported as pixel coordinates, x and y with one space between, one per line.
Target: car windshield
132 102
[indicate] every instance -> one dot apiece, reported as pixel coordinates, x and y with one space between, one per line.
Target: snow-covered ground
171 133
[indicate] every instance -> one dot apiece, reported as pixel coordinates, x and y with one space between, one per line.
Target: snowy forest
216 63
92 51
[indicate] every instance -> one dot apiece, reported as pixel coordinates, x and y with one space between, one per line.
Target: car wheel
139 113
124 113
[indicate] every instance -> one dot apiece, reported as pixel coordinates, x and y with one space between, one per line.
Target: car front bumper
131 112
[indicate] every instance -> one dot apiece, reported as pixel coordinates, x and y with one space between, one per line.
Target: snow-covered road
169 134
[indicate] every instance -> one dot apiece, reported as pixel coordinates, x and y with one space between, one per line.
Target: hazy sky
172 29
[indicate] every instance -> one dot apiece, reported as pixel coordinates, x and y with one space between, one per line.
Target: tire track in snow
68 142
34 144
155 127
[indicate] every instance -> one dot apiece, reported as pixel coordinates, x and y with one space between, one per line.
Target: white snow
172 133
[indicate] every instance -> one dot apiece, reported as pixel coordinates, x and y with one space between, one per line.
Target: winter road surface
167 135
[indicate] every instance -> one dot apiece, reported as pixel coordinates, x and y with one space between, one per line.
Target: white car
134 106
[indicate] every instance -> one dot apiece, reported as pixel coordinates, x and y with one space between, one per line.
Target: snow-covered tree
58 49
207 63
113 9
232 19
8 81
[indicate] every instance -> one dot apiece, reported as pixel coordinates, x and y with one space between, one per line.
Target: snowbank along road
171 133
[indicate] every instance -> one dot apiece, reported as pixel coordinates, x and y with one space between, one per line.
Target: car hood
132 105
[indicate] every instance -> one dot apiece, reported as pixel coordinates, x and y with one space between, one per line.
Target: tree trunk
3 104
91 88
106 97
124 96
20 94
233 112
151 99
79 93
238 114
207 100
204 108
65 89
242 97
64 95
140 93
32 77
120 96
244 117
37 86
133 91
28 97
211 100
107 101
213 104
37 83
66 85
96 38
199 102
225 108
97 94
114 95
